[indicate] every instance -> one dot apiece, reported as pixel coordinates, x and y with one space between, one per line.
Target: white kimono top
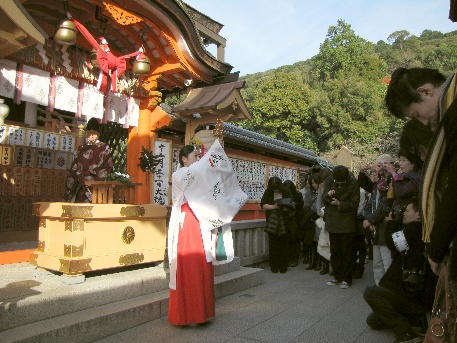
212 191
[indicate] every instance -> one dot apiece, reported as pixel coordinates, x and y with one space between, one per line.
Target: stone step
98 322
35 295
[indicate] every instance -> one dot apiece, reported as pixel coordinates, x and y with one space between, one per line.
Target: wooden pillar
138 137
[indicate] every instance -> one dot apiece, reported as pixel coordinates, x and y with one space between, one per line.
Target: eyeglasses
339 182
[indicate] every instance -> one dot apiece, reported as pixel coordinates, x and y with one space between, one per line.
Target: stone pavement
293 307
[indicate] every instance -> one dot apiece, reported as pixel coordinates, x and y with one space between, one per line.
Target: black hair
290 186
415 139
93 125
340 173
402 89
274 183
324 173
184 152
415 202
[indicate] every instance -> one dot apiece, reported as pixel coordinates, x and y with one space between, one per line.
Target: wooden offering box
75 238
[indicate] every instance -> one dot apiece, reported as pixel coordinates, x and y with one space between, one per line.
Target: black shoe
325 268
409 337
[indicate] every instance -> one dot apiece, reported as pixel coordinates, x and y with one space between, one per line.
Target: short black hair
93 125
340 173
402 89
415 202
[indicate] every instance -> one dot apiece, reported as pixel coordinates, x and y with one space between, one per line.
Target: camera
397 213
413 280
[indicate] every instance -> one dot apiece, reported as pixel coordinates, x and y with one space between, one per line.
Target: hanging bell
93 58
142 66
66 33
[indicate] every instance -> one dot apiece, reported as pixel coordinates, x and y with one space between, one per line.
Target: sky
266 34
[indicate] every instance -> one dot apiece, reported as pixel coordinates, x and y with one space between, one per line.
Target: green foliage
119 177
336 97
148 161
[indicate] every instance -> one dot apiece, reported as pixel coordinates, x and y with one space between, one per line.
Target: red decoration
107 61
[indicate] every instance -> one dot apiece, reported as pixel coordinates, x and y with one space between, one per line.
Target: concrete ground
293 307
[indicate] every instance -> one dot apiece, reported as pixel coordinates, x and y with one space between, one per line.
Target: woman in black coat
275 224
294 232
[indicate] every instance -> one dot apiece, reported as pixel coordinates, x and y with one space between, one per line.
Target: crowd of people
398 211
342 220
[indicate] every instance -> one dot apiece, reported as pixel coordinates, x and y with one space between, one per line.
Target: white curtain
35 86
92 102
134 112
7 78
117 107
66 94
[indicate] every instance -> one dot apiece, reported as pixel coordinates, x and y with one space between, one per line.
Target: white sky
266 34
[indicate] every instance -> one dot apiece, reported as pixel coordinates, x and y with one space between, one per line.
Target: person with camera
405 292
341 198
406 182
375 212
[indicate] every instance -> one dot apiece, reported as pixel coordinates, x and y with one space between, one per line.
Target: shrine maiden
206 196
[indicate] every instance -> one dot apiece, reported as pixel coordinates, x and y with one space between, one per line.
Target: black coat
414 258
341 219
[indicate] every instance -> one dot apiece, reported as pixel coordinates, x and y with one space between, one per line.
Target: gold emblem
73 250
41 245
75 266
129 259
128 235
77 211
74 225
132 211
32 260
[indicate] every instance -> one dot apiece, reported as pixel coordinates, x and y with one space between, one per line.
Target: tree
341 52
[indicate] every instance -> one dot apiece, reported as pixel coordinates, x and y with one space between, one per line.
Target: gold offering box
75 238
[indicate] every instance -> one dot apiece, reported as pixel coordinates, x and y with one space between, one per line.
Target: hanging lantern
66 33
93 58
142 65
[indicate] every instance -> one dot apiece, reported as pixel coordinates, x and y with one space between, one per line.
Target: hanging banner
7 78
134 112
92 102
35 86
66 94
162 149
117 108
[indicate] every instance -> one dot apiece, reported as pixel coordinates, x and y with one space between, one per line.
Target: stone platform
36 306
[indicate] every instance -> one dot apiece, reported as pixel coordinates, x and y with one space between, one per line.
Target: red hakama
193 300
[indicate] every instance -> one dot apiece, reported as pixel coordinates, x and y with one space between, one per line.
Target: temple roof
18 28
270 145
221 100
172 33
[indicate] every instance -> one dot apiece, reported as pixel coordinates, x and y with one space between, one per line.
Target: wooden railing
113 192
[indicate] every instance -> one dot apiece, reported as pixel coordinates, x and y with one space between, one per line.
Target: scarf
433 162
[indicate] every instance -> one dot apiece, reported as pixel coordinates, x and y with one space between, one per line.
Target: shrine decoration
66 31
142 65
148 161
109 64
